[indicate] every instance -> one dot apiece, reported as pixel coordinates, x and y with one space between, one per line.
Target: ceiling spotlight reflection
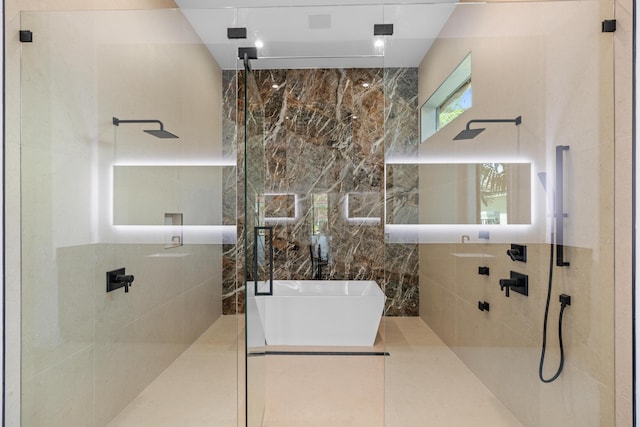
379 43
259 44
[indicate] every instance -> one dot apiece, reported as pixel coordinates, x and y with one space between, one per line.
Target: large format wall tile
327 133
506 341
62 395
63 323
201 309
77 339
128 359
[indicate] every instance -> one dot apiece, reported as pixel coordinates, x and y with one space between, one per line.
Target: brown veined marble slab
327 132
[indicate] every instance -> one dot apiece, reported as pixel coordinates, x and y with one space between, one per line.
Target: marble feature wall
401 142
327 133
233 186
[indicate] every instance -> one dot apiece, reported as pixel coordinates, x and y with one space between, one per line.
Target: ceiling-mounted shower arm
469 133
158 133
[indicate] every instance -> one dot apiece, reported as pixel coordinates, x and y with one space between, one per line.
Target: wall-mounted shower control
483 271
117 279
517 253
517 283
483 306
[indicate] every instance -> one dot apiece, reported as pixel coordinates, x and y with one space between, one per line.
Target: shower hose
544 329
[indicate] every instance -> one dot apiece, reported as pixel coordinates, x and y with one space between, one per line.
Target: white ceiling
315 34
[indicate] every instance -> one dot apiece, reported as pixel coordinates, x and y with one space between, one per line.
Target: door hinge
609 26
26 36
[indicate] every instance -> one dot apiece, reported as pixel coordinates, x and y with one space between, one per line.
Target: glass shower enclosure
327 159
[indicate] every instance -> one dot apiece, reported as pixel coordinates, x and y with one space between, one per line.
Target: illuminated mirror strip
286 219
359 220
446 233
155 234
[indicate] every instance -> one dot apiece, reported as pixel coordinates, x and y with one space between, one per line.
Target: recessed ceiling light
354 117
275 86
259 44
365 84
379 43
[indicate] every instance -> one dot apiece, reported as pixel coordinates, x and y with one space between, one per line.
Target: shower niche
173 235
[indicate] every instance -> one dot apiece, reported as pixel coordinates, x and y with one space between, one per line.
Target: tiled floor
421 383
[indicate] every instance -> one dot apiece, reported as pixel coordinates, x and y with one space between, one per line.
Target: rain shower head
158 133
469 133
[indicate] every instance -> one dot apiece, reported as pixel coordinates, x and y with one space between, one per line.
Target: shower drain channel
320 353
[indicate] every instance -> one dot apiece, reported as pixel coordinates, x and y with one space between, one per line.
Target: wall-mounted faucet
517 283
506 284
517 253
317 263
116 279
463 238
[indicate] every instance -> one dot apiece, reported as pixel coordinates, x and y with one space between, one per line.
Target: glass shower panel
320 157
536 252
341 183
256 237
123 225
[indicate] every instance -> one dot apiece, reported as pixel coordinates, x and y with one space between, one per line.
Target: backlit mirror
143 195
459 193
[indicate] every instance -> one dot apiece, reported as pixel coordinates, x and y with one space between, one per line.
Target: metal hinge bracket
26 36
609 26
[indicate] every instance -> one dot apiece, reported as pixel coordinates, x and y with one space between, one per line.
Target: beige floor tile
421 383
324 391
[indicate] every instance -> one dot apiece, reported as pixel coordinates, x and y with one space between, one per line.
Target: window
452 98
456 104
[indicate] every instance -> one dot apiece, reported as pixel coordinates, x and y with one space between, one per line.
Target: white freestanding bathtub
320 312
